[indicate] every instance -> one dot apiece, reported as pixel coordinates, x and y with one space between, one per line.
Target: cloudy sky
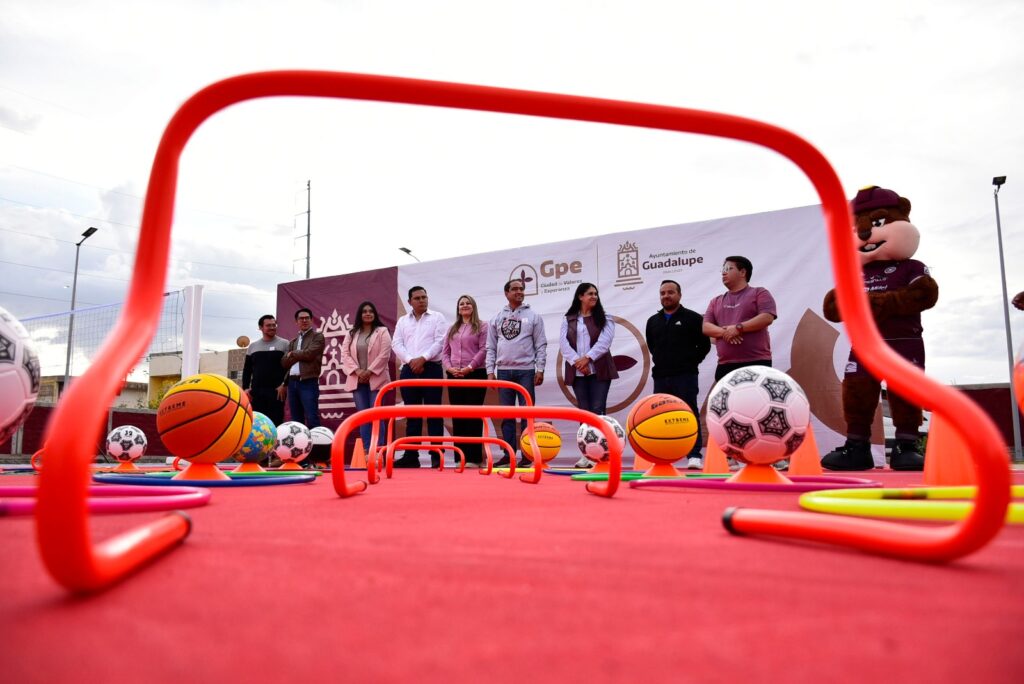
917 96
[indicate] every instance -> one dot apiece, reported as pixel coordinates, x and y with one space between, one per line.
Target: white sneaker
782 465
695 463
584 462
734 464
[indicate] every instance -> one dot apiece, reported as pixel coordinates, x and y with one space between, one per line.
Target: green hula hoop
916 503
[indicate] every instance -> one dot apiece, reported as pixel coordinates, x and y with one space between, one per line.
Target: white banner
789 252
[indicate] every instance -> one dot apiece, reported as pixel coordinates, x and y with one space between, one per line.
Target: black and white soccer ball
758 414
592 442
293 441
19 375
126 443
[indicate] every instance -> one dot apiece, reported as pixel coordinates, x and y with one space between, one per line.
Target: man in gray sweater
516 351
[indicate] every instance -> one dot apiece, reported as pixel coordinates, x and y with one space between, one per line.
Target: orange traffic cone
806 460
758 473
947 461
250 467
641 463
127 467
358 455
201 471
714 458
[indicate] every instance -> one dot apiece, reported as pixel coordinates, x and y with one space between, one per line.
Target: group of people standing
511 346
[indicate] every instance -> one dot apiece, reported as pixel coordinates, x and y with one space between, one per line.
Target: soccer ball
293 441
261 441
126 443
593 443
19 375
322 436
758 415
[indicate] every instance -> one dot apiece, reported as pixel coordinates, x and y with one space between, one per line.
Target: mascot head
881 220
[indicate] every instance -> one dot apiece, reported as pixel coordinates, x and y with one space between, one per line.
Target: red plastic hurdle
62 519
346 489
538 468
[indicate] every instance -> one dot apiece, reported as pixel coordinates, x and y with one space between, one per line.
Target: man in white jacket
516 351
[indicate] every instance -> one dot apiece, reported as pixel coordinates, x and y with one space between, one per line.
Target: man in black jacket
677 347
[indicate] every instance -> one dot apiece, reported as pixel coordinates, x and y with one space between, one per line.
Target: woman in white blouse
585 340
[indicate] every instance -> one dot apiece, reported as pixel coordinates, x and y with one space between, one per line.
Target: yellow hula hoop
914 503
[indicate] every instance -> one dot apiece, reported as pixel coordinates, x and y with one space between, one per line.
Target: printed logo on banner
333 395
528 275
554 276
627 263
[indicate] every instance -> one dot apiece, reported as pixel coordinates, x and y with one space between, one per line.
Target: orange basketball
549 441
204 418
662 428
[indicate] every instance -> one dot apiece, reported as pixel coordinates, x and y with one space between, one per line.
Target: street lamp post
409 252
71 320
998 183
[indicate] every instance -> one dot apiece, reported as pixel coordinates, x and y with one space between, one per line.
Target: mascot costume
899 289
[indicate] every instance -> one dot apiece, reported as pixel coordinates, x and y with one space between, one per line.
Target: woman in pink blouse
364 361
465 346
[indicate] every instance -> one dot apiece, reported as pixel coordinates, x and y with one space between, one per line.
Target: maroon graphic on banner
334 300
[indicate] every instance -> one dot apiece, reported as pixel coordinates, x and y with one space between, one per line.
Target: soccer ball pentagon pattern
126 443
593 443
19 374
261 441
293 441
758 415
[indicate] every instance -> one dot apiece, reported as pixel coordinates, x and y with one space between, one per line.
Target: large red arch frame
62 519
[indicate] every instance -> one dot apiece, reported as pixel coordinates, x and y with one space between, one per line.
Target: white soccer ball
293 441
19 374
126 443
322 436
758 414
593 443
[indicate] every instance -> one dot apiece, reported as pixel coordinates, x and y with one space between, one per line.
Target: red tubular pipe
63 535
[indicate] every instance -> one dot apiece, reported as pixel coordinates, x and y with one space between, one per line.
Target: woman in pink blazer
365 357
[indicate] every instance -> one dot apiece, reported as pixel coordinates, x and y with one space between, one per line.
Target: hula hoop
801 483
161 481
112 499
918 503
568 471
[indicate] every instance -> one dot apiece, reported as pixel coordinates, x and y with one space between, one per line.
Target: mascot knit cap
874 197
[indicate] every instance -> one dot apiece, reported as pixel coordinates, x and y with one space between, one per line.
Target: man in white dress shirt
417 342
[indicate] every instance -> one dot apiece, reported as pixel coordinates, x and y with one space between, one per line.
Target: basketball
242 341
549 441
662 428
204 418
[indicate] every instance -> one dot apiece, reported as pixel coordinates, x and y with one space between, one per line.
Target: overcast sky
922 97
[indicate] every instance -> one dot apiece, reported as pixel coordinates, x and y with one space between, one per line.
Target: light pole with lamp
409 252
998 183
71 320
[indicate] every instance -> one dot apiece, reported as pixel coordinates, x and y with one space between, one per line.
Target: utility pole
308 213
308 225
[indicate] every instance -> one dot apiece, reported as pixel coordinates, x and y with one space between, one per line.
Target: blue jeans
364 398
304 401
509 397
591 393
685 387
417 396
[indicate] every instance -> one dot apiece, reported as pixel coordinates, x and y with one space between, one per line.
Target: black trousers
469 427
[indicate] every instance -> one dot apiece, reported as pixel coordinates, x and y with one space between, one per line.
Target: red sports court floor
439 576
